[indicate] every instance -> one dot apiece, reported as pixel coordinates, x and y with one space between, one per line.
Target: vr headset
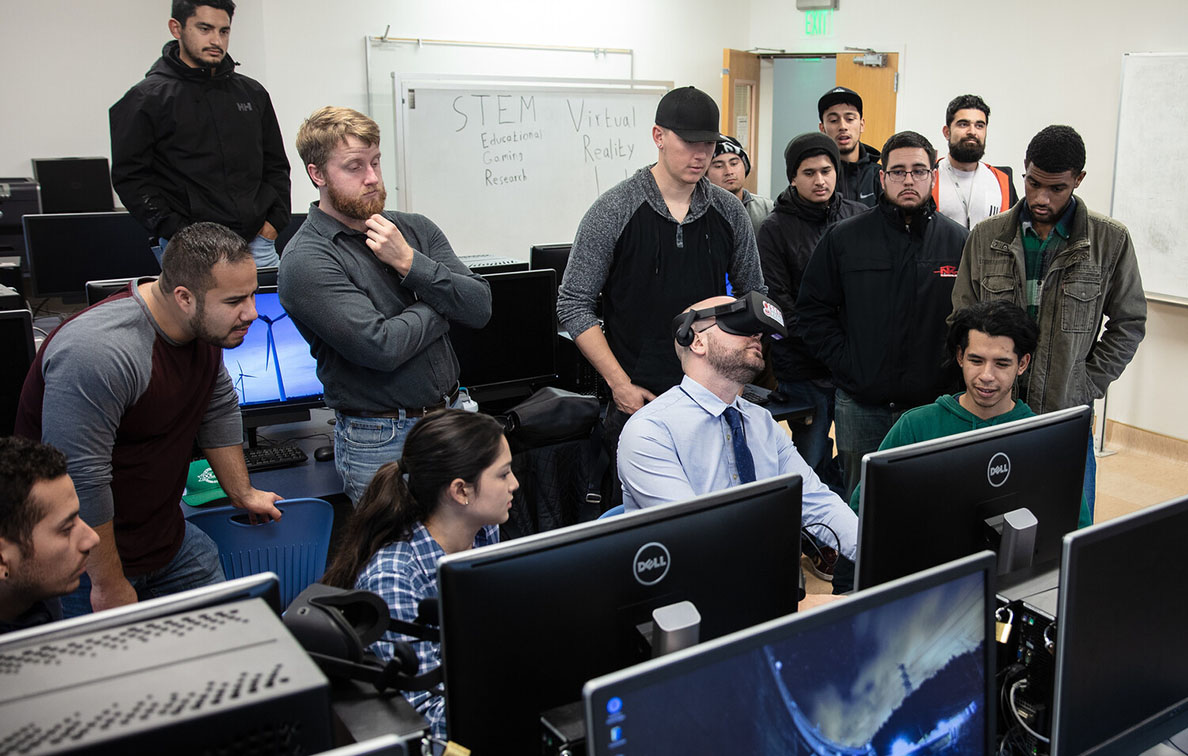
749 314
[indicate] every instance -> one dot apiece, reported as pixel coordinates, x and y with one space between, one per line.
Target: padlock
1002 630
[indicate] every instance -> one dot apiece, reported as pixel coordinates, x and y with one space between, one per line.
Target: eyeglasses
919 174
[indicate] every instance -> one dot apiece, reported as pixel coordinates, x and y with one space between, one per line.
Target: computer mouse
324 453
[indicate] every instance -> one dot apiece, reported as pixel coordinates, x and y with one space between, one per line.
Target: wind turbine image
239 382
271 351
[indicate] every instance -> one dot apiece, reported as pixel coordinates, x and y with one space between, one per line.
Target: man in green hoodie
992 343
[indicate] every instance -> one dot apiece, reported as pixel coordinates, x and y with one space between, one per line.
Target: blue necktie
738 439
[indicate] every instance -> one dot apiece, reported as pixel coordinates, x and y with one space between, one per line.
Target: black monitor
67 250
526 623
1121 682
518 346
285 234
16 339
550 257
928 503
74 184
905 668
274 373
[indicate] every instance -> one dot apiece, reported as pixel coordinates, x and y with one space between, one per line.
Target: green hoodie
945 417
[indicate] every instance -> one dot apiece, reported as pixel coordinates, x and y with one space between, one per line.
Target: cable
836 539
1015 710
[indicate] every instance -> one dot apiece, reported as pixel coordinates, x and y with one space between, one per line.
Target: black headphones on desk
336 626
749 314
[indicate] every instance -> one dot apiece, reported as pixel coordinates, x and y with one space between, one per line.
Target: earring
466 503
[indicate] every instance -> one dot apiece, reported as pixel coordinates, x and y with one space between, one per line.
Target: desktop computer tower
226 680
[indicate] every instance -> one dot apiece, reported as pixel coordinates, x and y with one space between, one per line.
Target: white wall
1035 63
76 59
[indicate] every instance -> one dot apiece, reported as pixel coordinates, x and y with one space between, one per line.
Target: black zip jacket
199 144
859 181
786 241
874 301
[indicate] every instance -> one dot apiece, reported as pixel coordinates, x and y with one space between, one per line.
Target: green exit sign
818 23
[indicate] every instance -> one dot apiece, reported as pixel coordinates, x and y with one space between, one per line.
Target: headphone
336 626
682 326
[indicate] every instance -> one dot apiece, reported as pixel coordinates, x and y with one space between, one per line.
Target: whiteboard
503 166
1150 166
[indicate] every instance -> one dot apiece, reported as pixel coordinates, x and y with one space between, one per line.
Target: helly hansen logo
650 565
946 271
244 107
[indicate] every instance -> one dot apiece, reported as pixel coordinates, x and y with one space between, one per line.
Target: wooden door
878 86
740 105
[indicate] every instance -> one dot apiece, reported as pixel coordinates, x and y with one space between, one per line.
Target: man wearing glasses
874 299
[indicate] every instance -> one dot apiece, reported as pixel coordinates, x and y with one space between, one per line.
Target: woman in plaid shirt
449 492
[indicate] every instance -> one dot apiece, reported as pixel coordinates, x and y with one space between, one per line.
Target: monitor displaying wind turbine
273 371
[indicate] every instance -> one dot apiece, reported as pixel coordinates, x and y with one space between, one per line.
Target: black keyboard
755 394
273 457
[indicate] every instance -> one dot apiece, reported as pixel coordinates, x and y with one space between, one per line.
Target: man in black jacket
840 111
196 141
874 300
786 240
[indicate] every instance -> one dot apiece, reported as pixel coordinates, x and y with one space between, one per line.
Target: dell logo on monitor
998 470
650 564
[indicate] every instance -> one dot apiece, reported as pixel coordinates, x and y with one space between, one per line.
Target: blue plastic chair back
293 547
617 510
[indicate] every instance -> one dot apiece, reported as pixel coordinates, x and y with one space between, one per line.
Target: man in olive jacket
1068 267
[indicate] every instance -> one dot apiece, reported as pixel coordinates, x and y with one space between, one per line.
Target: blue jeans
812 440
364 444
195 564
860 428
263 251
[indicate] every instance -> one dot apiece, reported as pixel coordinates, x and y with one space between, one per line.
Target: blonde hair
329 127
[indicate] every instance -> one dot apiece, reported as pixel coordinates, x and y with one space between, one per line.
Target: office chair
293 547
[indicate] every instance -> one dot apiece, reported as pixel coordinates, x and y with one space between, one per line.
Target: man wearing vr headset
701 436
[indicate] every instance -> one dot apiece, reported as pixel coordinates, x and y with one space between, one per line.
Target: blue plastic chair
617 510
293 547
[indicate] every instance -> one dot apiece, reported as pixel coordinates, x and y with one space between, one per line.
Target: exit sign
818 23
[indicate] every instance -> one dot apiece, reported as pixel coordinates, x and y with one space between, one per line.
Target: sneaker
821 562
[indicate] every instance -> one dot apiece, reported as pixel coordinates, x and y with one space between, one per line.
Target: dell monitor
905 668
517 348
929 503
67 250
1121 682
525 624
273 371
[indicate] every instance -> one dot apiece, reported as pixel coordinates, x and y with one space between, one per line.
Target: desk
361 713
310 478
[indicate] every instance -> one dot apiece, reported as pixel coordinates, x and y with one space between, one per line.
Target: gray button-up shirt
381 341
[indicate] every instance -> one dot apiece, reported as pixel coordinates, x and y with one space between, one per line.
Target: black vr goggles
749 314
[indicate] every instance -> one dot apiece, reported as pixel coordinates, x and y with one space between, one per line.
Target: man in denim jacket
1068 267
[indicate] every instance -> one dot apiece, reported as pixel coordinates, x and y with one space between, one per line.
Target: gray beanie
806 146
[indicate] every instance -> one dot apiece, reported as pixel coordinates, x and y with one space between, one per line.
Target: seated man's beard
359 208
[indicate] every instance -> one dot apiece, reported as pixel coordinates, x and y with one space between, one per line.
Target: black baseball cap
837 96
691 113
